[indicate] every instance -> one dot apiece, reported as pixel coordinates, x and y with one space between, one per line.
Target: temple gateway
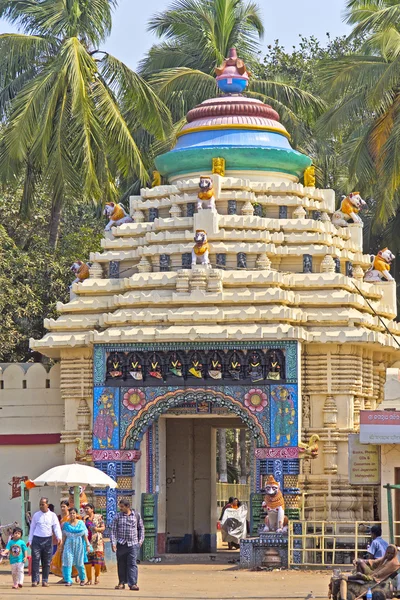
227 298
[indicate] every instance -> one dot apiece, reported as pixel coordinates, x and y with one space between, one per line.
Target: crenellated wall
31 421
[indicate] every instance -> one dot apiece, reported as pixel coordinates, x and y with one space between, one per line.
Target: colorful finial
232 76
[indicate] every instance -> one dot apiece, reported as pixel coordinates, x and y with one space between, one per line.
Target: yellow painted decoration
218 166
156 179
309 177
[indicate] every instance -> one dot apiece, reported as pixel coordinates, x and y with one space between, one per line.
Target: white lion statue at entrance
274 506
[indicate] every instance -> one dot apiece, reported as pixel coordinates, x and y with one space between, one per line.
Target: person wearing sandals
127 536
44 524
96 527
75 546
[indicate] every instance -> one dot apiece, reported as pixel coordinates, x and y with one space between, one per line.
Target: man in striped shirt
127 536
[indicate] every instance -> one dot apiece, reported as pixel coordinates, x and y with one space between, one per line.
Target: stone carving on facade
358 273
263 262
138 216
175 211
309 450
83 451
96 271
201 248
182 281
198 280
299 213
328 264
330 412
214 284
306 411
330 457
349 209
247 209
144 266
380 267
116 214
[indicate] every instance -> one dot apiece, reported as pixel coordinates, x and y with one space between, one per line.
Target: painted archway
161 404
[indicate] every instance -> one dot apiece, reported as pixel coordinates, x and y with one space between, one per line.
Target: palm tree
365 92
198 35
70 110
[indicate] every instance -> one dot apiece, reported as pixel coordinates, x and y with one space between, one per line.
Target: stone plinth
253 550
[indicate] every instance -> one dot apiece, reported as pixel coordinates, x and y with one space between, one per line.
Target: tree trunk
236 450
223 469
243 457
55 218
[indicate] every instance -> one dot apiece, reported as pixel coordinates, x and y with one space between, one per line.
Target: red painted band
30 439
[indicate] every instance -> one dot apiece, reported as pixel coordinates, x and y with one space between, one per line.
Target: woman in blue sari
75 546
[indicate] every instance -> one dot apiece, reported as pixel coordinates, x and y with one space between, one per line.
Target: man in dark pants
127 536
44 525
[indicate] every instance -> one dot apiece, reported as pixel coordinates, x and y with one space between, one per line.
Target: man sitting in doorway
378 546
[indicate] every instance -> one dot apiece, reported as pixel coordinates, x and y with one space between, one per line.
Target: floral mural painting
256 400
134 399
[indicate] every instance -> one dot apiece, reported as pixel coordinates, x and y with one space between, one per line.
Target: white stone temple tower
280 331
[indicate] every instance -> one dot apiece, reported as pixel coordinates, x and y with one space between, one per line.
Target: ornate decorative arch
160 405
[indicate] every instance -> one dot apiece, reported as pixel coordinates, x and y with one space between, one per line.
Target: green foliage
365 100
69 109
34 277
298 66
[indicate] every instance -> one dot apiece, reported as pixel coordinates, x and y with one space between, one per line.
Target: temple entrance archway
178 432
146 396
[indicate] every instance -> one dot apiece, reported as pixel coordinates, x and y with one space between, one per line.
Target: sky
283 20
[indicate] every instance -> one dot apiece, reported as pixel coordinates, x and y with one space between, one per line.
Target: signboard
16 486
379 427
363 462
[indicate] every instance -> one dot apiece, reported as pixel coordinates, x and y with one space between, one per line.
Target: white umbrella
74 475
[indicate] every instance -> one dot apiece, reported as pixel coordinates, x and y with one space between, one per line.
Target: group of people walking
79 546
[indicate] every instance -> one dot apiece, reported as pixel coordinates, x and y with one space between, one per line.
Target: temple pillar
76 384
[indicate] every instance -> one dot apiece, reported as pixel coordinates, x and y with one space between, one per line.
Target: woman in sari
75 546
367 573
56 561
96 527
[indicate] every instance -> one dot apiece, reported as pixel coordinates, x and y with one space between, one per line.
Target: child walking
18 552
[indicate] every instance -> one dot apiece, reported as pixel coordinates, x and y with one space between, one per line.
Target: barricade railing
329 543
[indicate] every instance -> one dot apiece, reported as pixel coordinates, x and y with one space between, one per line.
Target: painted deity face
283 394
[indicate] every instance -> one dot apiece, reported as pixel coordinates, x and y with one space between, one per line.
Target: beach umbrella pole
77 498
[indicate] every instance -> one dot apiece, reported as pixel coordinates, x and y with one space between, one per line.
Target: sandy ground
192 581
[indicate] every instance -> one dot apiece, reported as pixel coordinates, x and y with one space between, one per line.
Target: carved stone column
330 413
76 383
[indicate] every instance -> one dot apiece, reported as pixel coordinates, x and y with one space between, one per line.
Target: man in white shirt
44 524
